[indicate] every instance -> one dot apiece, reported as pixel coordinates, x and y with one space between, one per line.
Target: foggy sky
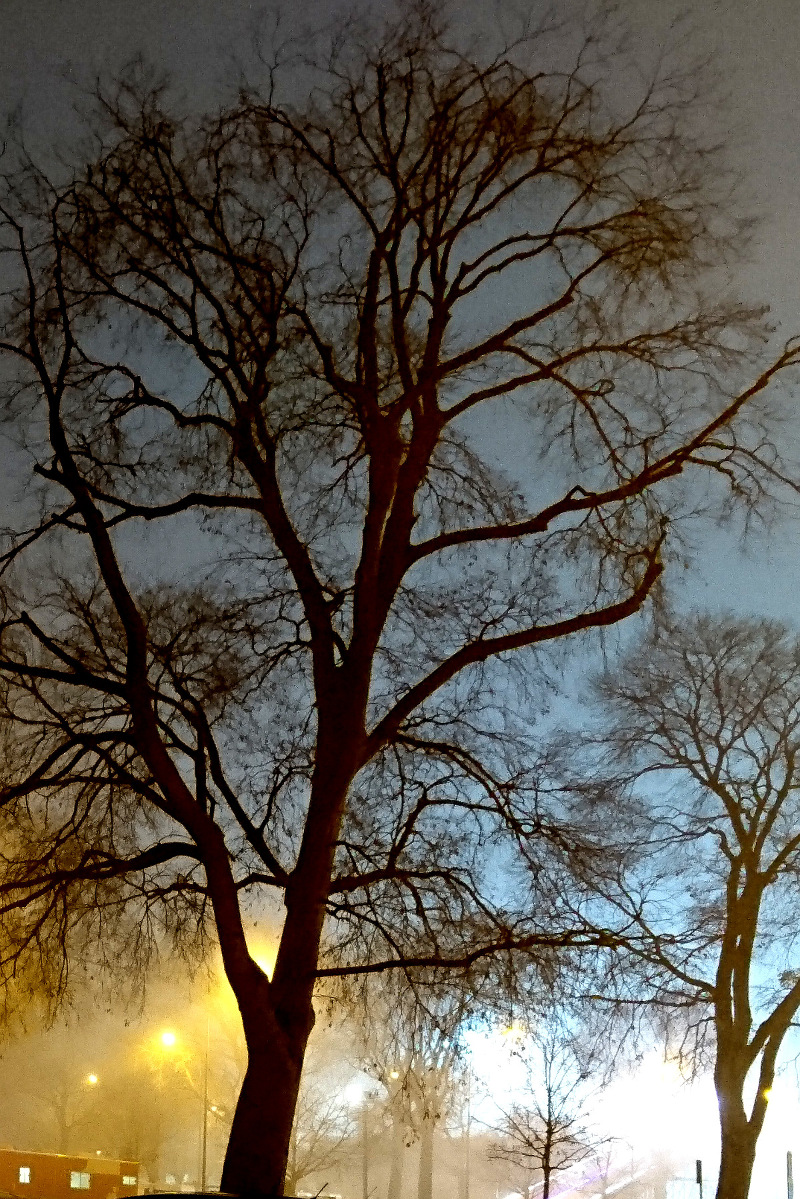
46 46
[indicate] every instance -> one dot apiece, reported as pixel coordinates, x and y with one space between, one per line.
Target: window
79 1180
129 1180
24 1173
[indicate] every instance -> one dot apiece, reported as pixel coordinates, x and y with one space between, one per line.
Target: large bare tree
265 583
703 720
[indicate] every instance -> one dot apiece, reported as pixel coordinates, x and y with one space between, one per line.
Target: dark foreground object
213 1195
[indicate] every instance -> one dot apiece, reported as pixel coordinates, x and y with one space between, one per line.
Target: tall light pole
368 1097
204 1136
169 1040
789 1176
364 1151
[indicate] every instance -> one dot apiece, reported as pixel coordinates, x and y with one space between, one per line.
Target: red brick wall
50 1176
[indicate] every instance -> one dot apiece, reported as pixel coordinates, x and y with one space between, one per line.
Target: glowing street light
169 1040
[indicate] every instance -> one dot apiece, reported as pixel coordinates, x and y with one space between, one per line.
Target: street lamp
204 1142
169 1040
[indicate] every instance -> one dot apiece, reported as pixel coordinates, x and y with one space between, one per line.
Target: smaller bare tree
322 1133
550 1129
412 1046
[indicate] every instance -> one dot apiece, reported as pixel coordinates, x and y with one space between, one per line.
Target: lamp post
169 1040
204 1138
364 1150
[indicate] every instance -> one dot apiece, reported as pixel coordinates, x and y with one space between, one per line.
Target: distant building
66 1176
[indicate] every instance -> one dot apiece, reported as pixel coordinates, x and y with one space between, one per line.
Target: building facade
66 1176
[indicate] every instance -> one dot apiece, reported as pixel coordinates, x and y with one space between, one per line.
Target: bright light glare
498 1070
355 1092
168 1039
655 1110
92 1079
264 950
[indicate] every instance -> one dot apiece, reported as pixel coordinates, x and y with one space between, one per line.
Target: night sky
754 44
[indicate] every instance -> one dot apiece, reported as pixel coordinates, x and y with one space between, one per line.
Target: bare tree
413 1047
550 1129
704 718
265 587
66 1098
323 1132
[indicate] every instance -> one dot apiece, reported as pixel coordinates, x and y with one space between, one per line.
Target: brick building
66 1176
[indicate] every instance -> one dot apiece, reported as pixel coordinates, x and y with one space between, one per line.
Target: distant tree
265 585
323 1133
550 1129
701 723
414 1048
63 1098
140 1110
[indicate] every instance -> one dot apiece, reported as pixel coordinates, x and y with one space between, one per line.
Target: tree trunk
396 1161
258 1148
547 1158
278 1015
64 1129
292 1178
738 1149
425 1180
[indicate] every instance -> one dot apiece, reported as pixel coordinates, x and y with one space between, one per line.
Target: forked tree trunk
278 1017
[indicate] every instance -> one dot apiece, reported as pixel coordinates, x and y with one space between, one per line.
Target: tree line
279 630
